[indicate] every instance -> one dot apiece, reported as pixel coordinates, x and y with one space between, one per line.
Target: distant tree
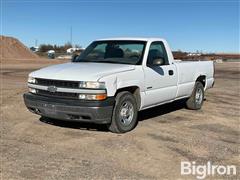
45 47
77 46
32 48
56 48
67 46
179 54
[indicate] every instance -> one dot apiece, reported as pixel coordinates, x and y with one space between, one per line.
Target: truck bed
188 71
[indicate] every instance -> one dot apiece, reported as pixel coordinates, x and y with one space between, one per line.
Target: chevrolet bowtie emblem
52 88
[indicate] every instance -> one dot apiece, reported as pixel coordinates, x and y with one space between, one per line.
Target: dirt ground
35 148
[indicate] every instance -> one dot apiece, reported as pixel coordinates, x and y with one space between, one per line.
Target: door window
157 54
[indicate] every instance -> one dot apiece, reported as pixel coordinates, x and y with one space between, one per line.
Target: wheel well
202 79
135 90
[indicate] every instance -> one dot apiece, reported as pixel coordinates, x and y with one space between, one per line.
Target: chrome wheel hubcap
199 96
126 113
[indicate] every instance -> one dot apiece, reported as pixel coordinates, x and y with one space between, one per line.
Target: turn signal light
97 97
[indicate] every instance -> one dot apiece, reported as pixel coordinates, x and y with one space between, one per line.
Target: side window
157 54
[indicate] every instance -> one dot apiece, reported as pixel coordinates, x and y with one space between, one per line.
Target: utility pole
71 35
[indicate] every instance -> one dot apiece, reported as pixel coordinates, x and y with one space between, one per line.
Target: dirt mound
12 48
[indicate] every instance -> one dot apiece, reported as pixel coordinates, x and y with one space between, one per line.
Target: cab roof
131 39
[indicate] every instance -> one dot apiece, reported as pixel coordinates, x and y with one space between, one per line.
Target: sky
188 25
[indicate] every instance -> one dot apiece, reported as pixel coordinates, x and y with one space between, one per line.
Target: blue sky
207 25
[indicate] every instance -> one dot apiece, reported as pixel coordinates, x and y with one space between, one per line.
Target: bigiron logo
204 170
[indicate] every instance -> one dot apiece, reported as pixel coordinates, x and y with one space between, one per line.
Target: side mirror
74 57
158 62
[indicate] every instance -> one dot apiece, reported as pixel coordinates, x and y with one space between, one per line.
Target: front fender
123 79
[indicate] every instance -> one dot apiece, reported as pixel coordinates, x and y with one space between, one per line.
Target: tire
125 112
195 101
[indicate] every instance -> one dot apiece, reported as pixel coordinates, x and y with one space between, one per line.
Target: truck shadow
75 125
161 110
143 115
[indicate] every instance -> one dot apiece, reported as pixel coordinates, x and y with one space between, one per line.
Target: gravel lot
36 148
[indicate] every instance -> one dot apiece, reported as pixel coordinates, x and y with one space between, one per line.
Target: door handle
170 72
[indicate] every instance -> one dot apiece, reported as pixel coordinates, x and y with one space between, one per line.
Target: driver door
160 76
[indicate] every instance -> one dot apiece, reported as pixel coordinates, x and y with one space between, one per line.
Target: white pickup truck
115 78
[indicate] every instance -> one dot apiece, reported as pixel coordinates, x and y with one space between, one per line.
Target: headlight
31 80
31 90
97 97
92 85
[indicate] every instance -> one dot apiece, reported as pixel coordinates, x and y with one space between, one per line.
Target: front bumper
67 109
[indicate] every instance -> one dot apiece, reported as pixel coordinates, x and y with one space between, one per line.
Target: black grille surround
57 83
57 94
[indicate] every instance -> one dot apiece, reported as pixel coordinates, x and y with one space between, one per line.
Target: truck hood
83 71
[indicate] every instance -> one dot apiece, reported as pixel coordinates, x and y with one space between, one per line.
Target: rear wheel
195 102
124 117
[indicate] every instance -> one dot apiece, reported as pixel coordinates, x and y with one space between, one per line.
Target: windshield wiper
100 61
106 61
82 60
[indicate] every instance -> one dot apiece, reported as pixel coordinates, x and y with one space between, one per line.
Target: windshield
121 52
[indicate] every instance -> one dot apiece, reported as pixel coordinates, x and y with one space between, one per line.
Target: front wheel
195 102
124 116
